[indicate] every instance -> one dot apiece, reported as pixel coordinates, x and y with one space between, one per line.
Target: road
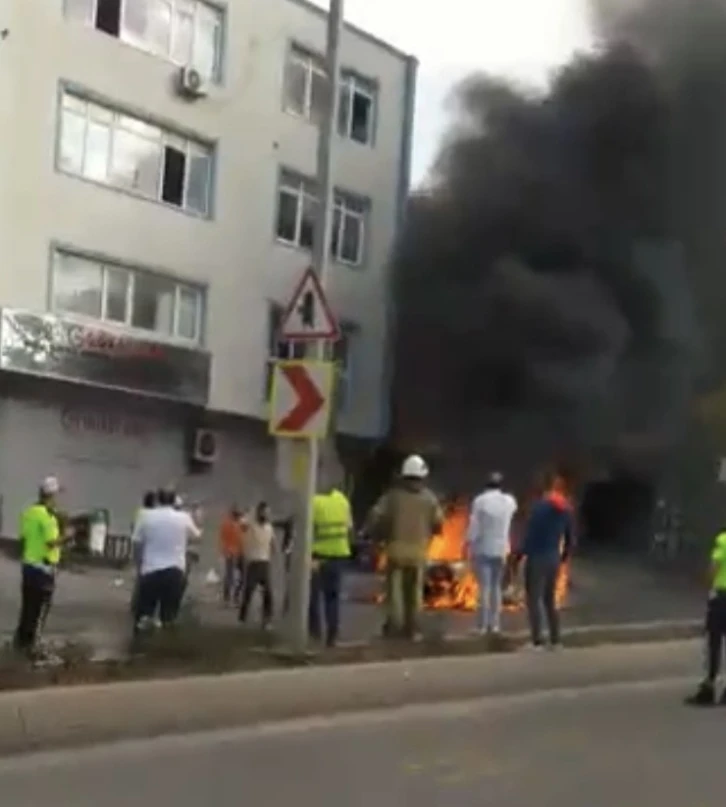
617 744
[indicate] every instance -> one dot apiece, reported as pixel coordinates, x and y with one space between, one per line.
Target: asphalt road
620 744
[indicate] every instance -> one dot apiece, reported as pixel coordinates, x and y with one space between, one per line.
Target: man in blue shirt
547 544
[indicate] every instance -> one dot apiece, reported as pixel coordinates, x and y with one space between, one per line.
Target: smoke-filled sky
522 39
563 283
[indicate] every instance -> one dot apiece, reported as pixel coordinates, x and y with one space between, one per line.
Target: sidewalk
92 606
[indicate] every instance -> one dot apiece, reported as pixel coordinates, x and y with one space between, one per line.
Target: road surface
615 745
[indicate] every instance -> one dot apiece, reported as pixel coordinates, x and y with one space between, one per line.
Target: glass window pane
208 41
183 32
153 303
117 286
77 285
140 127
307 225
335 235
296 80
344 109
98 141
74 103
352 238
80 10
73 137
135 20
198 182
188 316
100 114
136 163
287 216
318 97
158 33
361 118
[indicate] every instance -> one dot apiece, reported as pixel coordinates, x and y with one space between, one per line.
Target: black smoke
560 285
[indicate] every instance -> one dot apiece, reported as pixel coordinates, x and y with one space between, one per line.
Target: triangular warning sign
308 316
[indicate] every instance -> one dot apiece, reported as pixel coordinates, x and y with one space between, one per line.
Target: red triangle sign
308 316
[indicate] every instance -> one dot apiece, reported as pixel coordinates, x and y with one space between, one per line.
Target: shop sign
48 345
108 424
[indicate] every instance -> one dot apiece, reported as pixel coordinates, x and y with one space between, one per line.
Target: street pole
302 546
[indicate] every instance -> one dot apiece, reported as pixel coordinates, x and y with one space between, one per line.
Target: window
297 212
130 297
278 348
306 85
349 217
117 149
356 110
340 353
306 93
187 32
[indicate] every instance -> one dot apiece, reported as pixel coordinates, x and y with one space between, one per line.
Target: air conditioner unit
204 447
192 83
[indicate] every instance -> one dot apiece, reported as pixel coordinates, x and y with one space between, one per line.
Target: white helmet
414 467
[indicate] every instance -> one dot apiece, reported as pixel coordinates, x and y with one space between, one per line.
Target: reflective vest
718 558
331 525
39 527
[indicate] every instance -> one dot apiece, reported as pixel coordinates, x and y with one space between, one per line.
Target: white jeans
489 572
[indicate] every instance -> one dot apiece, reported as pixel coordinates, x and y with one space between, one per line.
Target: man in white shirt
162 535
489 526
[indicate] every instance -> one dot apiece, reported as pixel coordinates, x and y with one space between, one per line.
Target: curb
53 718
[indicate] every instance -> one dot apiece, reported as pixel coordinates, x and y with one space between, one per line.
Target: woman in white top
258 544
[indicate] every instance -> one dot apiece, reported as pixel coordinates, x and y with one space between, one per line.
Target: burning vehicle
450 584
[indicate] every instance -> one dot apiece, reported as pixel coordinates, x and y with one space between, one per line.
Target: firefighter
403 521
715 626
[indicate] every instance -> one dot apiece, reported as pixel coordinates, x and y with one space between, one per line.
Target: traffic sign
301 396
308 316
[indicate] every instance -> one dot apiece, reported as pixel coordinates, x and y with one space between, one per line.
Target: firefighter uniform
332 525
403 521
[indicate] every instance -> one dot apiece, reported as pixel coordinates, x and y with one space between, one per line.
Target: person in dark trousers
163 534
41 542
705 695
548 540
332 530
259 540
148 503
231 539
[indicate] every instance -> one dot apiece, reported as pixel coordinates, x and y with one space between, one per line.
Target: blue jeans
489 572
325 585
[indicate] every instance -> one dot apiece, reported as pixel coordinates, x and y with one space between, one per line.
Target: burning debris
449 582
547 276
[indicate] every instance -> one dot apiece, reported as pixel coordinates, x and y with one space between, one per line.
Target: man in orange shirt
231 537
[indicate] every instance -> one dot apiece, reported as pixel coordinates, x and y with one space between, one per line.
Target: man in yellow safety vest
41 539
332 529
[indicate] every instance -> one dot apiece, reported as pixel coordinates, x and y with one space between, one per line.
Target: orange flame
451 584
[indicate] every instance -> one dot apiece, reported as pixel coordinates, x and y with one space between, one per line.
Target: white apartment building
157 203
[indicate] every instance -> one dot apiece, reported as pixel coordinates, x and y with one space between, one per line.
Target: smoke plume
559 284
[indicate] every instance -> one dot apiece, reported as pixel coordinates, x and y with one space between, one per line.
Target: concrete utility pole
302 546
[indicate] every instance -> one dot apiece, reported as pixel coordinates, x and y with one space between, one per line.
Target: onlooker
163 535
332 529
149 503
715 626
41 545
547 544
259 539
231 533
488 538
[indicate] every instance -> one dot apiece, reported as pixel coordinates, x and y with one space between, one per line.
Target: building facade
157 206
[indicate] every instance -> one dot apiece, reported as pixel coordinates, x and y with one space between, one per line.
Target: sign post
304 317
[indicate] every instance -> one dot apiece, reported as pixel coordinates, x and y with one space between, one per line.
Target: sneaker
534 647
705 695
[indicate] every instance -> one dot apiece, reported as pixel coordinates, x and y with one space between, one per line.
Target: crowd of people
165 539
